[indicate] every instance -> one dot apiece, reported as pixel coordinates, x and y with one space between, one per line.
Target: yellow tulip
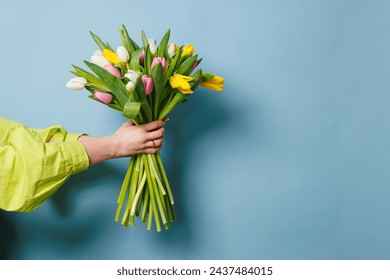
181 82
216 83
188 50
111 56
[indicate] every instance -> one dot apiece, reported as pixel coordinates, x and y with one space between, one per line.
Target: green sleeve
31 170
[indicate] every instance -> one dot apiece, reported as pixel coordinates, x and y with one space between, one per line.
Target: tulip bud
132 75
104 97
152 46
171 49
188 50
98 52
148 84
142 58
111 56
130 86
100 60
123 54
114 71
77 83
194 65
158 60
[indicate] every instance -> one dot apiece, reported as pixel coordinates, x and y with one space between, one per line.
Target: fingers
153 125
127 124
154 143
156 134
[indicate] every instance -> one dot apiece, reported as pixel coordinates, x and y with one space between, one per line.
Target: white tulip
130 86
98 52
77 83
152 46
132 75
100 60
171 49
123 54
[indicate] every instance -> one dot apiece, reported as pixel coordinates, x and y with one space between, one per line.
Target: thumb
127 124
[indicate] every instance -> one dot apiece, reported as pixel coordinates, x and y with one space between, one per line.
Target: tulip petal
104 97
111 56
216 83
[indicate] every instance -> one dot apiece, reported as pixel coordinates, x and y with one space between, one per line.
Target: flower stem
164 175
151 194
123 191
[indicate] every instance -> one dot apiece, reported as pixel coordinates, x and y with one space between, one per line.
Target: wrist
99 148
111 145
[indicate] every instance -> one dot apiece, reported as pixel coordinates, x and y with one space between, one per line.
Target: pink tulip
158 60
194 66
114 71
148 84
104 97
142 58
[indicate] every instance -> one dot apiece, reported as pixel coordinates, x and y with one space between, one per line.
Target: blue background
290 161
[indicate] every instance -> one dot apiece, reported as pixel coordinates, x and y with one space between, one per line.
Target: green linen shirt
32 168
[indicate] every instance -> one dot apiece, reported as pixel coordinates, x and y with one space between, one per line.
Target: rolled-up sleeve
31 168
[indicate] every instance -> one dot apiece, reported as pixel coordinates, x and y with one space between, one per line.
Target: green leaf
163 44
116 86
172 65
126 40
196 77
187 65
134 44
144 39
207 77
198 61
131 109
141 97
147 61
134 61
99 42
109 47
179 97
158 77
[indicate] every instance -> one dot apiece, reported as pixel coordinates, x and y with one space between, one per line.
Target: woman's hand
128 140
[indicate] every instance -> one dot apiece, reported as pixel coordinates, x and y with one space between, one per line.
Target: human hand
130 139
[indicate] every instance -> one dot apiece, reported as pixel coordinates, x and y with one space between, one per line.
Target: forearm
128 140
98 148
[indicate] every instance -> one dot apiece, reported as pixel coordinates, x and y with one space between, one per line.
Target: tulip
111 56
215 83
188 50
158 60
142 58
181 82
132 75
104 97
130 86
99 60
98 52
114 71
148 84
194 65
123 54
77 83
171 49
152 46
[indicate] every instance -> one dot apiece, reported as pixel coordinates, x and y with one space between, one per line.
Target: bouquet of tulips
144 83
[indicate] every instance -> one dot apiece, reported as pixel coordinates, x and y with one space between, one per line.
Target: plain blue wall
291 161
